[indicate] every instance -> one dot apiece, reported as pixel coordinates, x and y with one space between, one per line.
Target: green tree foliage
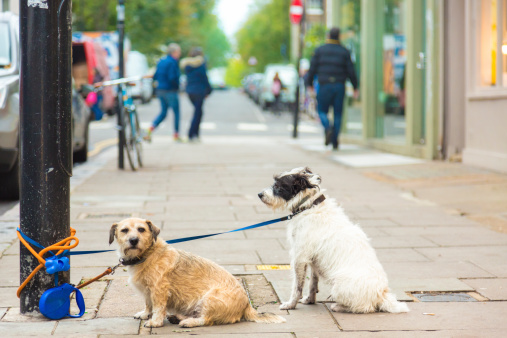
152 24
236 70
315 37
266 33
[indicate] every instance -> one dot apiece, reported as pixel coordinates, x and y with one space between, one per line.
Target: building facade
433 77
9 6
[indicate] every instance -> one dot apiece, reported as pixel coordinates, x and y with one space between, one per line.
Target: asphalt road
226 112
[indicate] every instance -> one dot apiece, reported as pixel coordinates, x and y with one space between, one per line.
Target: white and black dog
337 250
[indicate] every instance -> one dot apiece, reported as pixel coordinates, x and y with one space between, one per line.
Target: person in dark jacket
198 88
332 65
167 77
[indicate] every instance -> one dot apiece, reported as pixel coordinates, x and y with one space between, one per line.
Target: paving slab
14 315
410 334
491 288
488 258
9 265
20 329
274 256
400 255
401 242
265 234
8 297
118 326
458 269
316 319
431 316
117 296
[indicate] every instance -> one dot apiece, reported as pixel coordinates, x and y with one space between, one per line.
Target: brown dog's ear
112 232
154 230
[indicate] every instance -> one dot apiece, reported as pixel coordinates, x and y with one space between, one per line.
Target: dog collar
317 201
133 261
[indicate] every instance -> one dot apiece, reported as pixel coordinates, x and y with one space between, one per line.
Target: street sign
296 11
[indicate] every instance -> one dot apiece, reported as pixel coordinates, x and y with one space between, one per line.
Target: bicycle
132 138
130 129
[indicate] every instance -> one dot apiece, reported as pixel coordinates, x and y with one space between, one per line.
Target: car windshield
5 45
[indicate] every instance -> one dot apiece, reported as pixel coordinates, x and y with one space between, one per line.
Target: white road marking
208 125
252 126
305 128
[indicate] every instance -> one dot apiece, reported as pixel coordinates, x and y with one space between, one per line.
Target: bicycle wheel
138 137
129 140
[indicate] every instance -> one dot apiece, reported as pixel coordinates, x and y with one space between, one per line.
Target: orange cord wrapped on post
61 246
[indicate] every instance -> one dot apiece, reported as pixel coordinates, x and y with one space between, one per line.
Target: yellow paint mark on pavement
273 267
99 146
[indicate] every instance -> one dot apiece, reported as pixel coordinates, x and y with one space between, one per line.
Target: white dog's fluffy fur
337 250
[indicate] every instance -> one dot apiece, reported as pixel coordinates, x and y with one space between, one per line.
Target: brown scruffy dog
193 289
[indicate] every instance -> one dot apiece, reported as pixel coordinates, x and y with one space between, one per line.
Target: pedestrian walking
276 90
332 65
167 77
198 88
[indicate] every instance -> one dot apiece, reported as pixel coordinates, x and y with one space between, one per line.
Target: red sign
296 11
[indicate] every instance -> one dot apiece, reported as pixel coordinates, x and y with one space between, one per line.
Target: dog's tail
390 304
252 315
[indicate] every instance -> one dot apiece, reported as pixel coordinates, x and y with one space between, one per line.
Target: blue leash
171 241
55 302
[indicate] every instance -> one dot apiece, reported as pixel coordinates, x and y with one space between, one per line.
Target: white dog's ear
154 229
112 232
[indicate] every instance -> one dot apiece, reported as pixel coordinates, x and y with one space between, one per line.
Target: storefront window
350 26
391 95
492 36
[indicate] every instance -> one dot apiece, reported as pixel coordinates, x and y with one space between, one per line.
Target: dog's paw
308 300
173 319
142 315
287 306
337 308
152 323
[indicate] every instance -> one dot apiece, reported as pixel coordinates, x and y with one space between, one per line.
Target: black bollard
45 128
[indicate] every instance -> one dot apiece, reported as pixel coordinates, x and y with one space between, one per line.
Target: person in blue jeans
332 65
198 88
167 77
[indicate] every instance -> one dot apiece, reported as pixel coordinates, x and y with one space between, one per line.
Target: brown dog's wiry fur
195 290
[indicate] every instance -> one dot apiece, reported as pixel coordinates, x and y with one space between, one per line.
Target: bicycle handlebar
120 81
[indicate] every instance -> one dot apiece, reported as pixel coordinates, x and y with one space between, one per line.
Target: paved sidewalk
190 189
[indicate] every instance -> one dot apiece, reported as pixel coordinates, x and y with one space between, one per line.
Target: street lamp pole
45 135
120 12
300 56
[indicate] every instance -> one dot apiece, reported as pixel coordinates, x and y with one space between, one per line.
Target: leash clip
113 269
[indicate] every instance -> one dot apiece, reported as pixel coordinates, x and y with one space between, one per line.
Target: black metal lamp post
301 39
120 22
46 150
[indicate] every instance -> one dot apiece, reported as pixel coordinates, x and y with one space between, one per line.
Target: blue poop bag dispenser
55 302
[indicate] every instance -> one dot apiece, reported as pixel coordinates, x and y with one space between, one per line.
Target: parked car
289 77
9 111
137 65
255 87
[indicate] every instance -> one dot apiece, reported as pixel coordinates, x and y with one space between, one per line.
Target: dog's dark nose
260 194
134 241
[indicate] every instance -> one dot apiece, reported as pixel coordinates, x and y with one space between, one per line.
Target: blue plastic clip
55 302
55 264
